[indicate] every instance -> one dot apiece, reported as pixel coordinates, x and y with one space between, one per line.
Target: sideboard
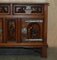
25 25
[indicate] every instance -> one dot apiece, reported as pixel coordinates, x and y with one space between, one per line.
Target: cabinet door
11 26
1 29
32 30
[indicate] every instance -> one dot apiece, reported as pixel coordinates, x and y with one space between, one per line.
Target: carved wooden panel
32 30
24 24
11 29
27 9
37 9
5 8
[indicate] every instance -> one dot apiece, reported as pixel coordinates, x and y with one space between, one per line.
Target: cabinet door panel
11 28
32 30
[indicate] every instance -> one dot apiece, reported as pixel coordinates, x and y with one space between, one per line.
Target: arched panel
32 30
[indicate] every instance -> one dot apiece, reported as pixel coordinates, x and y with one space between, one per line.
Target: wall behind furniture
52 23
52 19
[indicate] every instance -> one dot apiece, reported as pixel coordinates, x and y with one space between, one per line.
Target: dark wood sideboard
25 25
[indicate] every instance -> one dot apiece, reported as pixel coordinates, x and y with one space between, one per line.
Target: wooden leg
44 52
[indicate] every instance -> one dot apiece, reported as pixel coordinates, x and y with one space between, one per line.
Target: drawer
5 9
28 9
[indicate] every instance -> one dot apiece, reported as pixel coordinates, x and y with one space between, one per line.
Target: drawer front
5 8
28 9
32 30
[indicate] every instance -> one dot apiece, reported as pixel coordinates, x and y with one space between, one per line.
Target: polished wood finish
24 25
1 29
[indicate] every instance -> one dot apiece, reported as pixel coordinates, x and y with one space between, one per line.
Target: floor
28 54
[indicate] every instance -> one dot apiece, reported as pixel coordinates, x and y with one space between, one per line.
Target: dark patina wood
25 25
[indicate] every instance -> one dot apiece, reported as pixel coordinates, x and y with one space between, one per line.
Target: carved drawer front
1 30
32 30
11 29
27 9
5 8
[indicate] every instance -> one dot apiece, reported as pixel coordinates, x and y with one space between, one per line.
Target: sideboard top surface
23 1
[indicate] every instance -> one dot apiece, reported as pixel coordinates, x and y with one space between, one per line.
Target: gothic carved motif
11 29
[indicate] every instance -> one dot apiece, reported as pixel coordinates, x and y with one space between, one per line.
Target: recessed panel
32 30
5 9
27 9
11 29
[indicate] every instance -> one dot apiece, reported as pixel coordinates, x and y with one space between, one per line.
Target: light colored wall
52 19
52 23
